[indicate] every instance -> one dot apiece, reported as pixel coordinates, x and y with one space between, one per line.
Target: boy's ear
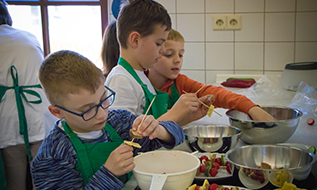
55 111
134 38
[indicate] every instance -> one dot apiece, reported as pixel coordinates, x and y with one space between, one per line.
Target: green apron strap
148 95
20 91
173 97
81 153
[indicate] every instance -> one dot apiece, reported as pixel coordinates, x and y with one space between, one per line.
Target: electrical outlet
219 22
234 22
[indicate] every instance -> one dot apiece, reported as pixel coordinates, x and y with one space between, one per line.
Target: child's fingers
137 122
148 125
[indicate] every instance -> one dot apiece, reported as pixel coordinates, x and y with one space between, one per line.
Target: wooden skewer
205 105
148 109
202 87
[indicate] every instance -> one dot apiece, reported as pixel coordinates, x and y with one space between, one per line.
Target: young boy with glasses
85 148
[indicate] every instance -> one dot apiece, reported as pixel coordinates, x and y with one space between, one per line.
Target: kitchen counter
304 133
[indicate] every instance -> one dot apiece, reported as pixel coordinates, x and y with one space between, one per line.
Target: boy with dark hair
143 26
85 148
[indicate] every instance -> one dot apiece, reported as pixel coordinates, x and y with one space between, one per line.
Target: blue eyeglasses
92 112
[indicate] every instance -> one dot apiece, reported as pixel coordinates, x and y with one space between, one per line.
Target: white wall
274 33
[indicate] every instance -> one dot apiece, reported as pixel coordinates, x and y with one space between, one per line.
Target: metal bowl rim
297 110
247 146
239 132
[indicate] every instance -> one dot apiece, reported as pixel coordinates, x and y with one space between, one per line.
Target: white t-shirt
21 49
129 93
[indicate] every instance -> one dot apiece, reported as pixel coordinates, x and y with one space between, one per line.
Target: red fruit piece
228 168
202 168
203 157
310 121
197 187
261 179
213 172
225 188
215 165
213 186
218 160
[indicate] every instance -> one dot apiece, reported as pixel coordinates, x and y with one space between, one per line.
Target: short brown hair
66 72
141 16
175 36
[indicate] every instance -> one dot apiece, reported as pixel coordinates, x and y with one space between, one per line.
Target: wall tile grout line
264 38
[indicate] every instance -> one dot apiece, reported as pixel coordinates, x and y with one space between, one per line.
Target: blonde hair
67 72
175 36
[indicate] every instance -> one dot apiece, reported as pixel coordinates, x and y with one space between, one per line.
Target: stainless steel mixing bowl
288 158
254 132
211 138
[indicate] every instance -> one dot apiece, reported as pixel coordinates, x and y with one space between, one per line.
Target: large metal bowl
279 157
254 132
211 138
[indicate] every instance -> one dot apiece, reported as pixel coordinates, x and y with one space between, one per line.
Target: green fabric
173 97
159 106
91 156
3 182
20 91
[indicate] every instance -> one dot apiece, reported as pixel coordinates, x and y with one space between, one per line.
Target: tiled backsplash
274 33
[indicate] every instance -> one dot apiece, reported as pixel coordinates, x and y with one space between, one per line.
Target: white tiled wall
274 33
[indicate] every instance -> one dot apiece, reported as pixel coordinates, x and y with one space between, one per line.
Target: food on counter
135 134
238 82
255 174
289 186
278 178
131 143
211 109
310 121
214 186
265 166
312 149
210 165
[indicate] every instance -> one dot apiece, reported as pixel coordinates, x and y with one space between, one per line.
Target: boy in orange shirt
165 76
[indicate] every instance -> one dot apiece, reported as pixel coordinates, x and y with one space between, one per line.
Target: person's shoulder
56 144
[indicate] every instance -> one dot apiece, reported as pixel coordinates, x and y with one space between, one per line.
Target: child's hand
258 114
120 160
149 127
188 108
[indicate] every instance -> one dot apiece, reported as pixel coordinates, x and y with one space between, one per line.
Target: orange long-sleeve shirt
223 98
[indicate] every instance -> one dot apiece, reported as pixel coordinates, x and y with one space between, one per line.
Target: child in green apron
143 27
165 76
85 148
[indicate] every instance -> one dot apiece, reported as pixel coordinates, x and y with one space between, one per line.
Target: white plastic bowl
179 167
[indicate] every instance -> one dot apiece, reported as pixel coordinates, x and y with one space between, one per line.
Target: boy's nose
101 113
162 50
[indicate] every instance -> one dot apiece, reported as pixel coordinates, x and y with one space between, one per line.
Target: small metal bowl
254 132
211 138
279 157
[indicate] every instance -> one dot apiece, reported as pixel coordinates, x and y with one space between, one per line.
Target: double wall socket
226 22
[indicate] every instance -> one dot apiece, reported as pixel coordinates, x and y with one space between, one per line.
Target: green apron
19 91
91 156
159 106
173 97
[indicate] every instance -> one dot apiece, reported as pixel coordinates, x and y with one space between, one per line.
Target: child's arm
258 114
